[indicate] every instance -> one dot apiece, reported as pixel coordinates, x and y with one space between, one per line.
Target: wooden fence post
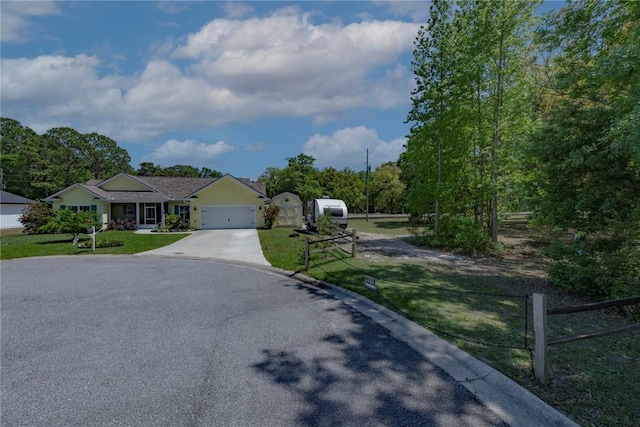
353 243
540 332
306 253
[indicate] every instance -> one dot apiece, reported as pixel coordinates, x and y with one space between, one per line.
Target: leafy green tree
299 177
470 115
502 35
433 108
20 159
386 189
210 173
149 169
105 158
587 149
37 166
271 215
67 150
34 216
65 221
186 171
346 185
271 178
181 171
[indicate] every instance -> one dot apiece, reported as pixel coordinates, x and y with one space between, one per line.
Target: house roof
7 198
175 188
258 187
161 188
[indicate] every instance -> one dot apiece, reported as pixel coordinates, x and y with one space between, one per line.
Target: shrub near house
66 221
35 216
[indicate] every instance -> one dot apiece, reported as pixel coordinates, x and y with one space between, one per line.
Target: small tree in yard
66 221
326 226
270 215
35 216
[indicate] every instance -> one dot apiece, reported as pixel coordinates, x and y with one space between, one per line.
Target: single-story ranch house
207 203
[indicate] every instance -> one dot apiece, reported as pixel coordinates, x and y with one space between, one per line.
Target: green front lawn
30 245
595 382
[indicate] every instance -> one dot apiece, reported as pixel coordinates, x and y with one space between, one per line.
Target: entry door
150 214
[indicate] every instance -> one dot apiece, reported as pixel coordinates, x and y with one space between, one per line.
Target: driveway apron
231 245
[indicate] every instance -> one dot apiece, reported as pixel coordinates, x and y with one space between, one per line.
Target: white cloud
231 70
58 87
234 9
347 148
284 57
188 152
15 18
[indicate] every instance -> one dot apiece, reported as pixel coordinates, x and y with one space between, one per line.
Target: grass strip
31 245
595 382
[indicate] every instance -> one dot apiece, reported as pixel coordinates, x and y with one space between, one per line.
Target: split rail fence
540 327
343 238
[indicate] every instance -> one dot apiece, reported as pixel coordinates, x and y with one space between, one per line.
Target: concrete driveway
229 245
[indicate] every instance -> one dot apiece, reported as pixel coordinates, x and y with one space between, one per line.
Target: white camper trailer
333 208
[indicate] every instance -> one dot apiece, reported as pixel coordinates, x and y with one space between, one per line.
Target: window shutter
94 208
176 210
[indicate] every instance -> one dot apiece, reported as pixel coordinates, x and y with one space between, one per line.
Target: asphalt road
118 340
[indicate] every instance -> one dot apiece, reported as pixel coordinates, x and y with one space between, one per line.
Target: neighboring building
207 203
11 206
290 213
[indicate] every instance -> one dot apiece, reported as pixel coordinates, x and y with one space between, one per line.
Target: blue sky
233 86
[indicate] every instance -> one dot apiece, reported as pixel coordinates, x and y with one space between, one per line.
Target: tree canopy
151 169
470 115
587 149
514 112
36 166
303 178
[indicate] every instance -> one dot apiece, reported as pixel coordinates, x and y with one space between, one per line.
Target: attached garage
228 202
220 217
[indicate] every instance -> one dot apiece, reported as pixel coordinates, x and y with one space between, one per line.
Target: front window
128 210
79 208
182 211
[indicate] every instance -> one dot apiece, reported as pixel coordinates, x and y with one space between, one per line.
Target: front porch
147 215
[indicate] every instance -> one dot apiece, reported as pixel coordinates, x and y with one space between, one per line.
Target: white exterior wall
9 215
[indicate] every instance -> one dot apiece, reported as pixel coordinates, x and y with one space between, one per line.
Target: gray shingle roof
260 187
7 198
174 188
165 188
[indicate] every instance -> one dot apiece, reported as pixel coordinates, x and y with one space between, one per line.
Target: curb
516 405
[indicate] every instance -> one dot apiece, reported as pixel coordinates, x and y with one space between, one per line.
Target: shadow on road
367 377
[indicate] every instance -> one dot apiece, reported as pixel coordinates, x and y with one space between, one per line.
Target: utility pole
367 188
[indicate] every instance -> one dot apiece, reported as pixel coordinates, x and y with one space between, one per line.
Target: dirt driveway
519 261
379 246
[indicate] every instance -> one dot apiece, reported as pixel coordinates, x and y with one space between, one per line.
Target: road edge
515 404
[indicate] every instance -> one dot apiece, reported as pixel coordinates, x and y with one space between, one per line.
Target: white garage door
216 217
